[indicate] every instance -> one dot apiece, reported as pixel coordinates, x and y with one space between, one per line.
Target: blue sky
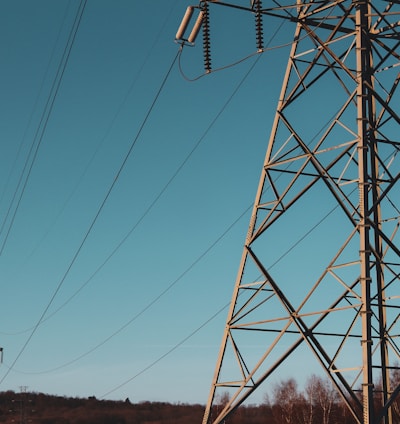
192 173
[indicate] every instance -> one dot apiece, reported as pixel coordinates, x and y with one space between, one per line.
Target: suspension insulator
259 24
206 38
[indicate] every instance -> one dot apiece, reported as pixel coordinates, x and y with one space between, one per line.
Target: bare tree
310 399
321 397
222 399
286 402
395 382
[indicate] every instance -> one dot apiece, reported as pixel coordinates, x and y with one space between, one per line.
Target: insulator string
259 25
206 38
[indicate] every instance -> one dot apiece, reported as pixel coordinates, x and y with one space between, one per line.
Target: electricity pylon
319 273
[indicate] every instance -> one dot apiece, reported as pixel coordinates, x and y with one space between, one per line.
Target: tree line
317 403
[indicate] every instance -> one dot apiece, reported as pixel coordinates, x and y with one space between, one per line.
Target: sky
126 180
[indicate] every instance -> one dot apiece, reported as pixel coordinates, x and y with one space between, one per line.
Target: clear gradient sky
113 272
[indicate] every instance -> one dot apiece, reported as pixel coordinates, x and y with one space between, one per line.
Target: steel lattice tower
331 172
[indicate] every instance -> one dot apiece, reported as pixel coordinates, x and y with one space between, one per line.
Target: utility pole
318 281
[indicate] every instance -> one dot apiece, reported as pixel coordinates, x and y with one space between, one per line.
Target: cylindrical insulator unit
196 28
184 23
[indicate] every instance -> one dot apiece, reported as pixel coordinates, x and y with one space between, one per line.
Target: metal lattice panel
335 164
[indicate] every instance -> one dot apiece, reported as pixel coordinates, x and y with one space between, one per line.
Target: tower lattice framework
318 282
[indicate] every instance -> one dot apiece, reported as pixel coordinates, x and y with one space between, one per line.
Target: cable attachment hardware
206 37
257 6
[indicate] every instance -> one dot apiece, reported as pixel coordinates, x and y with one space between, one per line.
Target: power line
163 190
180 343
185 272
176 346
150 207
91 160
146 212
41 129
43 125
186 338
24 136
129 91
94 219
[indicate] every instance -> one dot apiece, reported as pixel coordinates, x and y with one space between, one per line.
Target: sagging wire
94 220
185 272
221 309
36 105
41 129
231 65
42 126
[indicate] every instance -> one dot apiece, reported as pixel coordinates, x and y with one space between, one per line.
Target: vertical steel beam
364 66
